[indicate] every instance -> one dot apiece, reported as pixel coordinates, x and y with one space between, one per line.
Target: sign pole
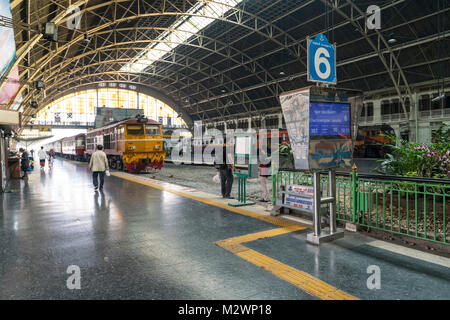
332 194
331 233
317 198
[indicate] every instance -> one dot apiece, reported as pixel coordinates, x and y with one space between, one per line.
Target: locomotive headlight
157 147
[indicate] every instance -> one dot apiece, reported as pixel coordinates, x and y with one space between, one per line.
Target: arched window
81 107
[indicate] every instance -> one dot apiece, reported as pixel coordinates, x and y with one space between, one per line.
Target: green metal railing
403 206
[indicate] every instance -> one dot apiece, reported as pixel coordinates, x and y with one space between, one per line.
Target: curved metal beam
267 27
352 60
118 61
130 42
207 70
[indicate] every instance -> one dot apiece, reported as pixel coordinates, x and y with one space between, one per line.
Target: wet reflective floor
136 242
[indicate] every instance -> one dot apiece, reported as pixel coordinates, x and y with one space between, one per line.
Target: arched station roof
243 55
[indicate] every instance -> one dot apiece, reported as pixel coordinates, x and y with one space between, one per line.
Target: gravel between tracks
201 178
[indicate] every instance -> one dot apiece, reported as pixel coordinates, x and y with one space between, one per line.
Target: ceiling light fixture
438 98
392 39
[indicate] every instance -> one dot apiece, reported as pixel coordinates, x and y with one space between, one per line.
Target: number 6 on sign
318 60
321 60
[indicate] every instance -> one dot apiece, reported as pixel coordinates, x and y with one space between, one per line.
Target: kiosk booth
8 166
245 164
319 123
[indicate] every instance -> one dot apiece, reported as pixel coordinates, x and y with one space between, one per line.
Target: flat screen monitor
329 119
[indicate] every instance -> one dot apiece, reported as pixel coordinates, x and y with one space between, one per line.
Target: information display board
329 119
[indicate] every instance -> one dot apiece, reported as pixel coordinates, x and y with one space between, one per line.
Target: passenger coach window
152 130
135 129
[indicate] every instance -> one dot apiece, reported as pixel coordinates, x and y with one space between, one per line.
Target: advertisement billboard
7 43
106 116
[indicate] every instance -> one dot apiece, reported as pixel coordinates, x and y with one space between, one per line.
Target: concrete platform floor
137 240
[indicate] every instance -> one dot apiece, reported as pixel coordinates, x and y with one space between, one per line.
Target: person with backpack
99 166
24 163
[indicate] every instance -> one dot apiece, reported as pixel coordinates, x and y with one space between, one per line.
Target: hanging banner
10 84
45 129
295 106
106 116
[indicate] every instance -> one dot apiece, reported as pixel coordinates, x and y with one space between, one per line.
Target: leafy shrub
421 160
286 156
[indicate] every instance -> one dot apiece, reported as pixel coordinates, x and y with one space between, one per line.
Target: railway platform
145 239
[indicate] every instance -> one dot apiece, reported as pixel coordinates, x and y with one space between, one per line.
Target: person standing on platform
25 163
98 165
51 155
42 155
225 169
264 172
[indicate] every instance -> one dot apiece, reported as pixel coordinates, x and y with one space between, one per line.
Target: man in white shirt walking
42 155
98 165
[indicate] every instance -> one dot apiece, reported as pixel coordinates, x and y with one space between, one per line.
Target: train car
170 141
57 148
133 144
74 147
199 144
281 137
371 141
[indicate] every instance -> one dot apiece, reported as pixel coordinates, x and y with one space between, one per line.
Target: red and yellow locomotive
134 144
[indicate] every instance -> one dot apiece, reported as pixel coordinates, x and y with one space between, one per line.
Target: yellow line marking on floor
254 215
300 279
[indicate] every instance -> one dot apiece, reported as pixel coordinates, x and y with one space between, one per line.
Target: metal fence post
274 186
354 189
332 194
317 203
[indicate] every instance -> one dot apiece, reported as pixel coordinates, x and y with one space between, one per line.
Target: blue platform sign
321 60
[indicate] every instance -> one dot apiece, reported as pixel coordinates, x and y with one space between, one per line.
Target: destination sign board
329 119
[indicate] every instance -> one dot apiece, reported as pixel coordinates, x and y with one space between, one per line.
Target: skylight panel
204 13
